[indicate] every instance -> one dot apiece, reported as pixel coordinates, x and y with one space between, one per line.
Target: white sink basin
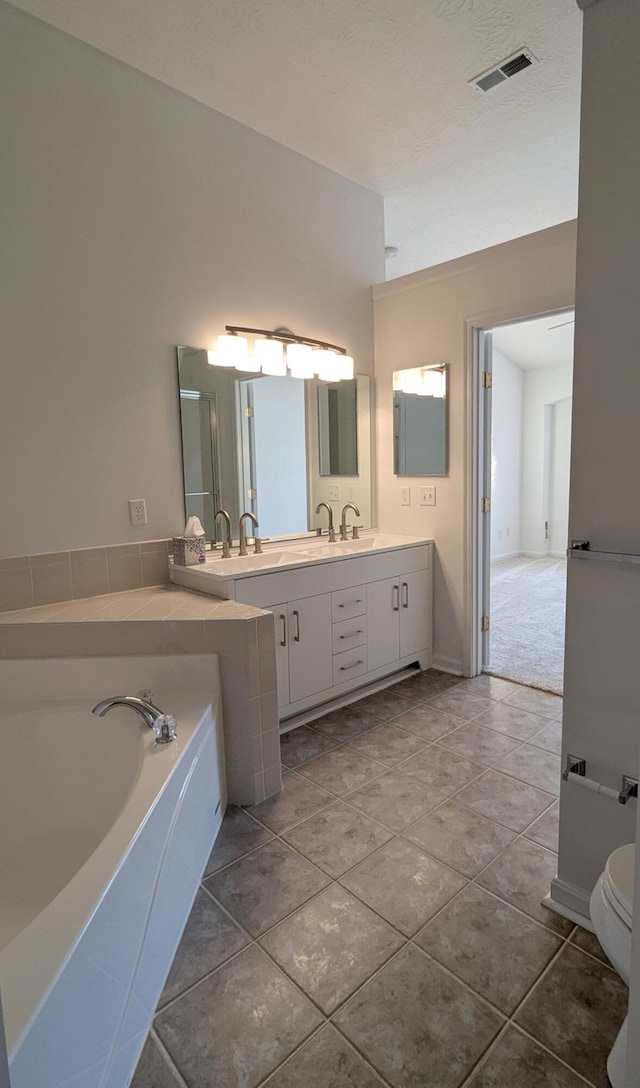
377 542
240 564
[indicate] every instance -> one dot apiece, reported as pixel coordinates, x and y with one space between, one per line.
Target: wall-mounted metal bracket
629 789
575 765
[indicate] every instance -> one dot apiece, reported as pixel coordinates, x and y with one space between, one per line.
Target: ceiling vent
507 69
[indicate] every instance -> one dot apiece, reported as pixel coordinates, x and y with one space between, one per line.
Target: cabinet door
310 646
415 613
383 622
280 615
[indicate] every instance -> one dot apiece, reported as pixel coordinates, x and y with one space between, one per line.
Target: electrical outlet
334 492
405 496
427 496
137 512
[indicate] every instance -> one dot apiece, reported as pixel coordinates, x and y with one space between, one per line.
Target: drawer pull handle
405 594
345 668
283 640
353 634
350 604
296 637
396 598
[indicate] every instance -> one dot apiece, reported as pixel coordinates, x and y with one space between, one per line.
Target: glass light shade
249 365
212 358
232 350
433 383
345 367
326 365
300 360
270 356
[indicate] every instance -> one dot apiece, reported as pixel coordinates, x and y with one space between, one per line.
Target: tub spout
163 725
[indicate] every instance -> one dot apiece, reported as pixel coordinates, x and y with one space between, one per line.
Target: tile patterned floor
378 923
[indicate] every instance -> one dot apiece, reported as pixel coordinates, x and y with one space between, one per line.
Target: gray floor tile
341 770
461 703
492 947
491 687
388 745
426 722
301 744
576 1011
511 720
326 1061
331 946
550 737
337 838
517 1061
238 1025
238 835
417 1025
522 876
503 799
388 703
538 702
546 828
263 888
345 723
395 800
588 942
297 800
152 1070
210 937
444 770
402 884
483 745
533 766
460 838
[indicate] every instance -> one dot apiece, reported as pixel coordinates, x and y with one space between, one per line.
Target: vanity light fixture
305 357
421 381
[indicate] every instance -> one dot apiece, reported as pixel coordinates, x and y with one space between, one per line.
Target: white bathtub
104 836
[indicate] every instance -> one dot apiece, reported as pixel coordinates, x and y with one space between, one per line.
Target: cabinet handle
405 594
296 637
350 604
283 640
345 668
352 635
396 598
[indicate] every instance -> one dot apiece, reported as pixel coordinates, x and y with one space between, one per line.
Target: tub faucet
226 544
332 532
243 534
343 523
163 725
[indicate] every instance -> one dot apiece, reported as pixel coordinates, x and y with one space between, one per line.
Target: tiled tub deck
379 921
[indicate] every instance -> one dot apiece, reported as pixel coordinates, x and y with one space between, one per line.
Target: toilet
611 910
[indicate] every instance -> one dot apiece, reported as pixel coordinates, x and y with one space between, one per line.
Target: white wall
134 218
423 319
602 703
506 447
545 460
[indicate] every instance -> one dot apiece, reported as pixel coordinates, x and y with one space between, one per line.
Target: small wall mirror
273 446
420 438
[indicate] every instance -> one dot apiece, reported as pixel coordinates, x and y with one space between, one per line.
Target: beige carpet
527 621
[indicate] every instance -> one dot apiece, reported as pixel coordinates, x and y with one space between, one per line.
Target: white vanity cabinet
399 618
304 653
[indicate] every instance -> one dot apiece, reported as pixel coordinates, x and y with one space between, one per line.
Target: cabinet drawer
349 664
347 634
349 602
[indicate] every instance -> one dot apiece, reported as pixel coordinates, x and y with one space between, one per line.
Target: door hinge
252 493
487 379
486 506
248 413
485 623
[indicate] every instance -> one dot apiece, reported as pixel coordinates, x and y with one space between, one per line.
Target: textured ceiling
546 341
377 91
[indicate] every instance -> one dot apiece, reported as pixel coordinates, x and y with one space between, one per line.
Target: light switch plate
427 496
334 492
405 496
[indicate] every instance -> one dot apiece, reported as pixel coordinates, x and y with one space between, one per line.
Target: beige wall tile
155 566
14 562
51 580
89 577
125 567
272 780
16 589
271 747
186 637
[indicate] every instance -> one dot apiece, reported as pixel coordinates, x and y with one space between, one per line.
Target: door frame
474 453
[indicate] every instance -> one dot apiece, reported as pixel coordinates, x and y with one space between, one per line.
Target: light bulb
326 365
300 360
345 368
270 355
232 350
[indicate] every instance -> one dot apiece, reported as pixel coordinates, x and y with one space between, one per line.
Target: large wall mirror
420 421
273 446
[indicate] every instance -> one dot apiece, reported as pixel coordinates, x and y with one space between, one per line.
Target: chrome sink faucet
226 544
163 725
343 523
257 543
332 532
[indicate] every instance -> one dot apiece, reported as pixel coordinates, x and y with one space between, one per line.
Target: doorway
524 379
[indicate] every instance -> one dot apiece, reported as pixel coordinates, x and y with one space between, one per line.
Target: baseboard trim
571 902
447 664
505 555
